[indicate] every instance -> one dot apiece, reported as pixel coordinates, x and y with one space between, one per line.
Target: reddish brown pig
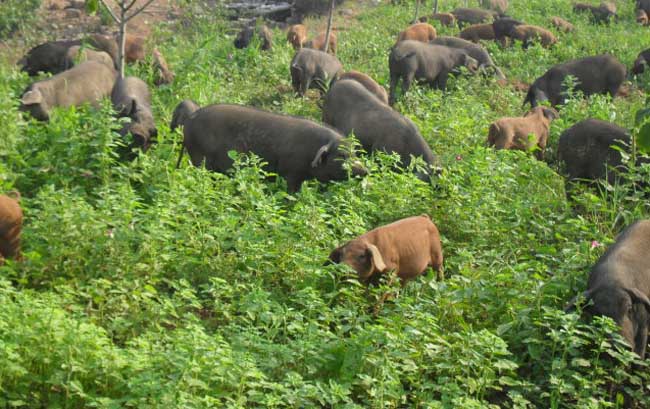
133 48
11 222
528 34
408 246
368 83
318 43
562 25
478 32
446 19
418 32
297 36
523 133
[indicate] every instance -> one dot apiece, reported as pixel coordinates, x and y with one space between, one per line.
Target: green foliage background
151 287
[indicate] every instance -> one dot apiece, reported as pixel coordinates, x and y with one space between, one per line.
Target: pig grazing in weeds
313 69
619 285
294 148
131 98
409 246
87 82
350 107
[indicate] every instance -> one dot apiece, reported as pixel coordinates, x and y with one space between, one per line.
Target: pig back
280 140
129 91
87 82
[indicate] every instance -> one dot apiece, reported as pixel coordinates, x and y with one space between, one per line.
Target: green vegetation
144 286
15 14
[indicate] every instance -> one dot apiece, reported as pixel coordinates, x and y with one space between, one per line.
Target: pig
586 150
606 79
413 60
418 32
603 13
643 5
642 60
642 17
562 25
473 16
297 36
523 133
245 37
133 48
163 74
318 43
478 32
131 98
503 27
500 6
408 246
295 148
350 107
619 286
365 80
78 54
87 82
52 56
11 223
475 51
445 19
183 113
528 34
313 69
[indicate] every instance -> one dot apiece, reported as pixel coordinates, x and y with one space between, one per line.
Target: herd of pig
299 149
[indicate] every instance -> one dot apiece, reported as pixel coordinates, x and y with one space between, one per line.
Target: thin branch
117 20
138 11
130 5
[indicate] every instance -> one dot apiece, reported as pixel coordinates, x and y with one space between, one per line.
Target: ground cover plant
147 286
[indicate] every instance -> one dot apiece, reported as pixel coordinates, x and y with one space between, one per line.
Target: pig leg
394 80
406 84
441 81
304 85
436 259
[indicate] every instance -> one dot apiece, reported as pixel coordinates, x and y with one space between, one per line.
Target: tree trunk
435 6
329 25
121 46
417 11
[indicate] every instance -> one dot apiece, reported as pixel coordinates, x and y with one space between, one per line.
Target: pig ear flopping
572 304
321 155
377 259
31 97
638 297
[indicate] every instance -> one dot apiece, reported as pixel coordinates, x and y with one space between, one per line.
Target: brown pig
11 222
318 43
523 133
478 32
297 36
445 19
368 83
562 25
408 246
422 32
528 34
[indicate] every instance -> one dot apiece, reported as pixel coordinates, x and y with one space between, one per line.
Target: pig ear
321 155
132 109
377 259
32 97
572 304
551 113
638 297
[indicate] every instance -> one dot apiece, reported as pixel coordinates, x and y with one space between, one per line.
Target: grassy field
144 286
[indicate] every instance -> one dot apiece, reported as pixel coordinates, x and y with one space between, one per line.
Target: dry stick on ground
329 25
124 7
